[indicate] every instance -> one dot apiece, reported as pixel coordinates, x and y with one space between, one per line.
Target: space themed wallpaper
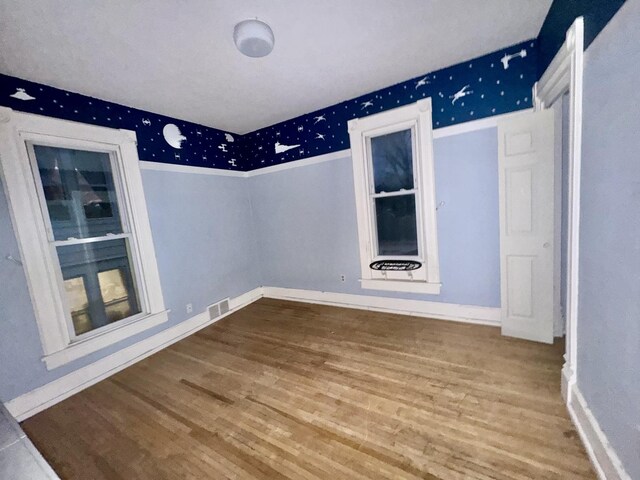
493 84
191 144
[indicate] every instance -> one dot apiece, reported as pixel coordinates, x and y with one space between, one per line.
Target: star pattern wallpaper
160 138
493 84
497 83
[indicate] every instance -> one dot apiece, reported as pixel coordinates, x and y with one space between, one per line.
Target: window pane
396 225
113 285
106 291
79 191
392 161
78 303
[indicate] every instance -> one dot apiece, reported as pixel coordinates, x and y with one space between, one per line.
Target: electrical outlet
189 307
342 278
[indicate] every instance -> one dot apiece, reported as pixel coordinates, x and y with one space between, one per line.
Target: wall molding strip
602 455
466 127
480 124
305 162
417 308
171 167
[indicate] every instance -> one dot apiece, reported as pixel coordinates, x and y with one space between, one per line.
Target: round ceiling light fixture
253 38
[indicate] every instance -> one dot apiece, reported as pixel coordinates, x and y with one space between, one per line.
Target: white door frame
564 75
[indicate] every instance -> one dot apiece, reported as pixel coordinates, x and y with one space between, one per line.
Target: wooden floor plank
285 390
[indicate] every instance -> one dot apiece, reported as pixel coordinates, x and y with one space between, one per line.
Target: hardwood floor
284 390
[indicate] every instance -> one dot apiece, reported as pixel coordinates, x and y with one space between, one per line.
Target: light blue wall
306 220
609 291
203 231
205 247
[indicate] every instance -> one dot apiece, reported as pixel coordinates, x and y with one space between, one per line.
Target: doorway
560 88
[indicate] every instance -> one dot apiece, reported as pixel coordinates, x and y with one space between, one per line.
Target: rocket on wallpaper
507 58
497 83
493 84
158 136
21 94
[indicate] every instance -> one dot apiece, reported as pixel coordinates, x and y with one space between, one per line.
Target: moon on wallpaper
173 135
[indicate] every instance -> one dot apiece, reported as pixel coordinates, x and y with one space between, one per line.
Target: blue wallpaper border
202 146
493 84
561 16
496 83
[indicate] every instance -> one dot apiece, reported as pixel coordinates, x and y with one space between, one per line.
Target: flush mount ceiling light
253 38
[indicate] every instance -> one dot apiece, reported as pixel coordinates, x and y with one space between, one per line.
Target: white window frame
416 117
30 220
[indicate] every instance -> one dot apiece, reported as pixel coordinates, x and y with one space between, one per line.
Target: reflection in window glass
108 290
78 304
396 225
79 191
392 161
81 201
115 295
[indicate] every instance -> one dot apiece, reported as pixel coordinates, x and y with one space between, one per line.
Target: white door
526 162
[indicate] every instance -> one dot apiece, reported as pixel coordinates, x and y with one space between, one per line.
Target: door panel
519 197
519 283
526 163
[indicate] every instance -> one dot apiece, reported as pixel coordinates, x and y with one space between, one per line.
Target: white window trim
417 116
40 264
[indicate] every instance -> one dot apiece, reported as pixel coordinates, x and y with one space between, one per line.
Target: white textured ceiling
177 57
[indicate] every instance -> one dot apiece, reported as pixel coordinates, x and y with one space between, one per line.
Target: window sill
402 286
93 344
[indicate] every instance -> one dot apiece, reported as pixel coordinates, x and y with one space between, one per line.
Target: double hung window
393 167
79 213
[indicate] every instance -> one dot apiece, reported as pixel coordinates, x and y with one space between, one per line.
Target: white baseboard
567 381
419 308
603 457
35 401
606 462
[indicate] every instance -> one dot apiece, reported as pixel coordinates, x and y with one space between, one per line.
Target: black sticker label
397 265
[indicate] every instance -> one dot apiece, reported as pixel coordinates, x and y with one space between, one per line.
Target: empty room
342 239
